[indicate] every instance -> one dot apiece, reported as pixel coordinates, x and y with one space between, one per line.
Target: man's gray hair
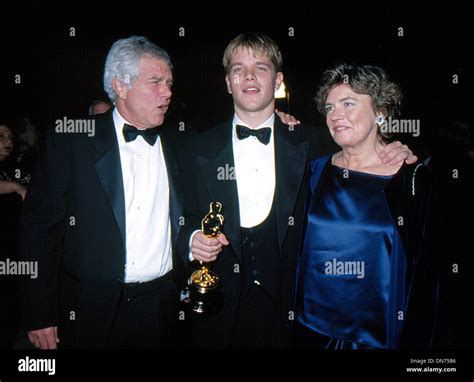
123 60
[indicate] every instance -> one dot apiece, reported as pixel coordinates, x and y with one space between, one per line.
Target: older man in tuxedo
102 216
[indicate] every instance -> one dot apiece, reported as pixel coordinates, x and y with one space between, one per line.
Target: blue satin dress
351 271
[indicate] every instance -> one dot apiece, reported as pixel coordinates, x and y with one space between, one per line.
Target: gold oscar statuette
203 283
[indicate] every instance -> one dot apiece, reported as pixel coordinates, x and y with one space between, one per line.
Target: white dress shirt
147 219
255 174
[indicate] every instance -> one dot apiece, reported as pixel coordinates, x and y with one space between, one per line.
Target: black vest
261 261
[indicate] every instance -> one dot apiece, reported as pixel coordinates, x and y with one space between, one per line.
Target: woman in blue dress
365 273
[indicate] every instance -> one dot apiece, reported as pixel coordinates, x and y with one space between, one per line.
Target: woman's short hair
123 61
363 79
259 43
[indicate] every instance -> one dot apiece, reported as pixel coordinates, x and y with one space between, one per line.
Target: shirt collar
119 121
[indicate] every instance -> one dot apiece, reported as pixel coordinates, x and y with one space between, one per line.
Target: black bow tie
263 134
130 133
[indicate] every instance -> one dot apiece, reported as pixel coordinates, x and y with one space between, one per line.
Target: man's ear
120 88
278 80
227 81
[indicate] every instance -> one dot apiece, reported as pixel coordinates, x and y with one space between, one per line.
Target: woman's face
6 142
350 117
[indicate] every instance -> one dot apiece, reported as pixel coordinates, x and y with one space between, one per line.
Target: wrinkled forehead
344 90
153 65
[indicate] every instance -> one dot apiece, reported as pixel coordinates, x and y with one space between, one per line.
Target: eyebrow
162 78
347 98
343 99
257 63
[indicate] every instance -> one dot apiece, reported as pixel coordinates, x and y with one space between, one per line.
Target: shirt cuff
191 258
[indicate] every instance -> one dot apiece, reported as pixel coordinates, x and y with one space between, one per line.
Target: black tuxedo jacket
213 156
73 225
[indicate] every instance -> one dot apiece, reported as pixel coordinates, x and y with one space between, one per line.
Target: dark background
61 75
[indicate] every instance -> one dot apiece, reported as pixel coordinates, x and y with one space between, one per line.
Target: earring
379 120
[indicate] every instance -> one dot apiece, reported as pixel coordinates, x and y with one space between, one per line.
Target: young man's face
252 81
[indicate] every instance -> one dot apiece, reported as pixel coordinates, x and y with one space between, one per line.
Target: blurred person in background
12 194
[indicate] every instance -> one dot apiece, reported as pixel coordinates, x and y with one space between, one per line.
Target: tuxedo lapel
218 172
290 165
109 170
173 170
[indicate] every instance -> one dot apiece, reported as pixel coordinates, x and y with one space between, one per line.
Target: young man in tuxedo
101 218
255 166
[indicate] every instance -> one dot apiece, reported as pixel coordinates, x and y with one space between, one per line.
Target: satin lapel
109 170
290 165
173 170
218 173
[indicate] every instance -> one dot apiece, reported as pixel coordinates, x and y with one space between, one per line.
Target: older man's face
144 105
